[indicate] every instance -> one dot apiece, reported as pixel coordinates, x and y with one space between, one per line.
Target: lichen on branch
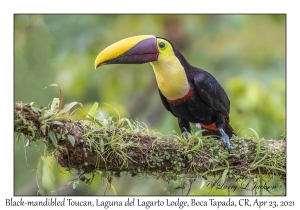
88 144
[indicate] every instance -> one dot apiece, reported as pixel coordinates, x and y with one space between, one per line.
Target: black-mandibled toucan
189 93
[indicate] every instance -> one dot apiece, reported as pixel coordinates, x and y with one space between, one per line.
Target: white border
8 8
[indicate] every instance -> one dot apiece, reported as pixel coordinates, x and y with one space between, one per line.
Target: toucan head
135 50
159 52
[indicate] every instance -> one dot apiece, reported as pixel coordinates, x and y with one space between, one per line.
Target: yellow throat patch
170 75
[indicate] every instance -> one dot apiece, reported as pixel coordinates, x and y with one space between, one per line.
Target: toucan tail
229 130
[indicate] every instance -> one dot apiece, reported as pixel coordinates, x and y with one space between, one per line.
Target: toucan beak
134 50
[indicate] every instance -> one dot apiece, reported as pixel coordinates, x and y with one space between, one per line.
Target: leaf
68 107
227 163
258 146
199 132
75 118
113 189
111 186
54 104
43 112
101 143
186 183
32 104
53 138
224 155
71 139
202 183
190 156
129 123
75 184
93 110
27 144
40 192
48 163
223 179
60 95
35 107
260 182
120 123
254 132
43 128
57 123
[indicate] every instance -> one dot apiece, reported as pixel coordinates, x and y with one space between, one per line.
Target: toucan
191 94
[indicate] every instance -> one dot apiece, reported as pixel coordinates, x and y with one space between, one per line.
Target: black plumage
207 103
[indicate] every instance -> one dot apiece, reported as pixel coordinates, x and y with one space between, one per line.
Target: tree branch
88 146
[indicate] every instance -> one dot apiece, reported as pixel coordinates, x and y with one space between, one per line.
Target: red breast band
182 99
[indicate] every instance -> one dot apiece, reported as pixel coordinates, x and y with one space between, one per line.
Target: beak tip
96 66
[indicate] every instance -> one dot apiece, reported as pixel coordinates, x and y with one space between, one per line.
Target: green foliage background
246 53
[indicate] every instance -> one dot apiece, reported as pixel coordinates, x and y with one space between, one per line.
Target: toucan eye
161 45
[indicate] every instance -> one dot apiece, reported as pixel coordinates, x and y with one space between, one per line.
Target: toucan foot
225 140
185 136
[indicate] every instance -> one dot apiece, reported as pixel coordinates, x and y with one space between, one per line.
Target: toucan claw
185 136
225 140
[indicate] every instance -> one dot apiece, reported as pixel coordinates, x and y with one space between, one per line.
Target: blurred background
245 53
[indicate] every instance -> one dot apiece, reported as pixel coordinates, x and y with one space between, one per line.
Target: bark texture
85 146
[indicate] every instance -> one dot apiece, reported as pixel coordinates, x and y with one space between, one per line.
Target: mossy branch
89 145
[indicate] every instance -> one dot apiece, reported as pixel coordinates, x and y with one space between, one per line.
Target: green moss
116 145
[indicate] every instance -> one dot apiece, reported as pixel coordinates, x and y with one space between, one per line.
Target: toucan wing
165 102
211 92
